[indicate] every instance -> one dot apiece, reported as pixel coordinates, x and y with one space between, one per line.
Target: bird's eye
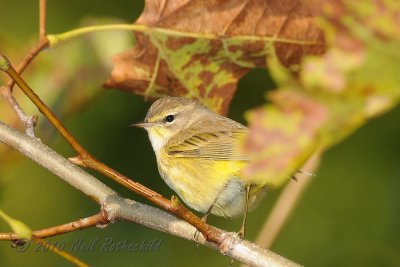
170 118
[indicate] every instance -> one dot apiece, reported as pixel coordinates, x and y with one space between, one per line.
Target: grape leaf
357 78
200 49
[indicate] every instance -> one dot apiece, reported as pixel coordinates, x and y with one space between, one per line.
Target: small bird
198 155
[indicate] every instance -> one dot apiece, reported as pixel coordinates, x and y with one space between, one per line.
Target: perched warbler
199 157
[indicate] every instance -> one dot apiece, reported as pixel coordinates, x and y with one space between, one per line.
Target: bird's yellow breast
199 182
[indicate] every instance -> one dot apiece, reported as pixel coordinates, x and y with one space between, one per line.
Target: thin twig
38 235
285 204
41 45
90 161
6 91
95 220
98 219
28 121
42 19
117 208
60 252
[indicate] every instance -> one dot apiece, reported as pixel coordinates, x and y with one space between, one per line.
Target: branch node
4 63
103 220
227 242
30 124
28 121
78 160
175 202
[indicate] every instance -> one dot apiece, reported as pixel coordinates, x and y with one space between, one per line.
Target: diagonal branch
118 208
60 252
41 45
286 204
87 160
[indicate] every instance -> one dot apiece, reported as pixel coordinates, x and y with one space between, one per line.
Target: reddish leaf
333 95
202 48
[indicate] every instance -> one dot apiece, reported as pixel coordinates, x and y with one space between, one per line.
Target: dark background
349 216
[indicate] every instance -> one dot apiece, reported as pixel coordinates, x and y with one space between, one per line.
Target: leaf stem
55 39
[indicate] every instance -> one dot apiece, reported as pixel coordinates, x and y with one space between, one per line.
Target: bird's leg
205 217
204 220
241 232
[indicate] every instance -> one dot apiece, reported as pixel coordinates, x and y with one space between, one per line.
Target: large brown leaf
201 49
333 95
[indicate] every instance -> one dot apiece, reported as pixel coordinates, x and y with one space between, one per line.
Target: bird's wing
217 139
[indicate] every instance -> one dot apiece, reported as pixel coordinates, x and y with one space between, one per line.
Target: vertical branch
28 121
6 91
42 19
41 45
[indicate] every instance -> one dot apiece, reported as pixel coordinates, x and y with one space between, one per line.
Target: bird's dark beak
143 124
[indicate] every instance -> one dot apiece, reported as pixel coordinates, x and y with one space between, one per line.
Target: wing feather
218 138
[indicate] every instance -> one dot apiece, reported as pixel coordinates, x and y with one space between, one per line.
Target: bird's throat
157 140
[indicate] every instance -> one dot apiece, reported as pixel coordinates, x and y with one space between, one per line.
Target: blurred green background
349 216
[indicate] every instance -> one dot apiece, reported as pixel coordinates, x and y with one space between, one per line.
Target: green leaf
18 227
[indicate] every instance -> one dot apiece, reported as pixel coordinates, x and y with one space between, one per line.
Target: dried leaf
357 78
201 49
283 134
